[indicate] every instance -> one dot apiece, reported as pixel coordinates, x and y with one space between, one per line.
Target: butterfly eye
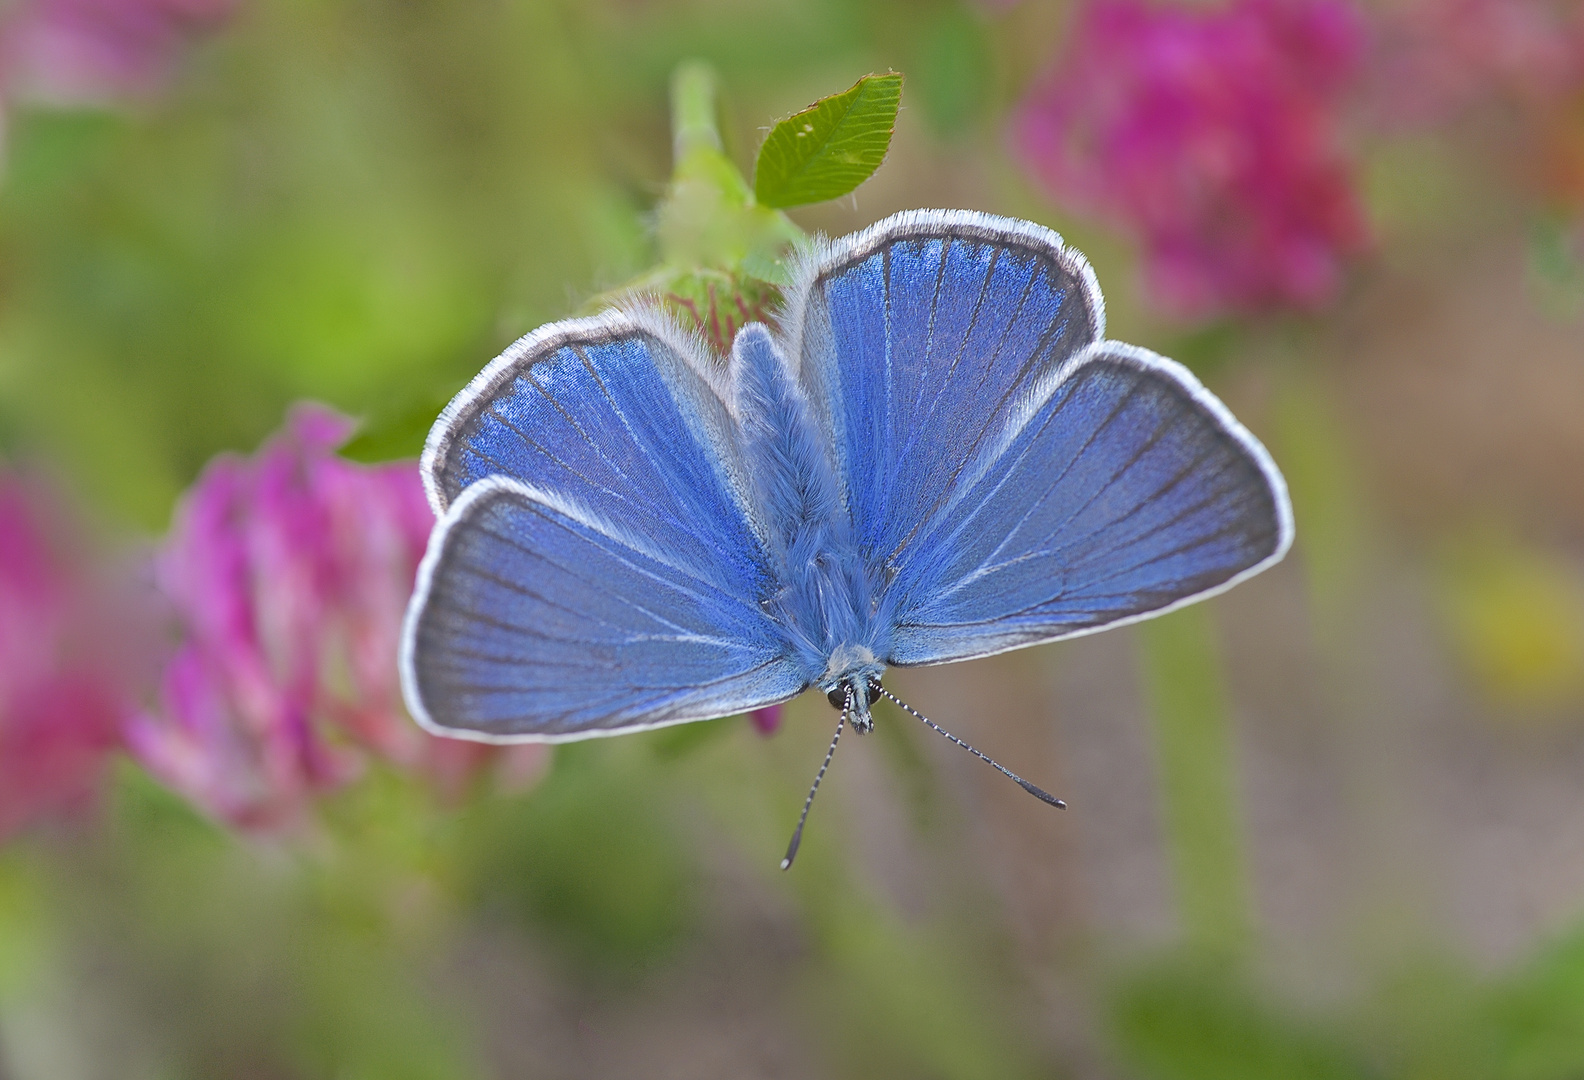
838 695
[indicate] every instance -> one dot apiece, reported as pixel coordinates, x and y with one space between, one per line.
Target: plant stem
1199 804
693 124
709 219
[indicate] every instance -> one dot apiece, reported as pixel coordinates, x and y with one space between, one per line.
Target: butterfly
934 455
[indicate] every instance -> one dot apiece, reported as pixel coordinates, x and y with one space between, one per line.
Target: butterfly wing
596 568
1127 490
915 338
1019 479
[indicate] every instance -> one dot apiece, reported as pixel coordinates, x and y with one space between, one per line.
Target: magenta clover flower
766 721
290 572
61 700
1213 136
75 51
1437 57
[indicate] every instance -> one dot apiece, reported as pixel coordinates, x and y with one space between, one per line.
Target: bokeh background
1330 825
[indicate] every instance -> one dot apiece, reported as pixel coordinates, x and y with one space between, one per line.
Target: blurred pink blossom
290 572
73 51
766 721
1436 57
60 698
1213 135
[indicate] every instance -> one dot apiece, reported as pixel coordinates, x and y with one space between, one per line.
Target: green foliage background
360 202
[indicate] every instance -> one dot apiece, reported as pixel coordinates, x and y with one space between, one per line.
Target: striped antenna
797 834
1038 792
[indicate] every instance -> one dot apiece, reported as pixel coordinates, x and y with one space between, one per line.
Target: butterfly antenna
797 834
1038 792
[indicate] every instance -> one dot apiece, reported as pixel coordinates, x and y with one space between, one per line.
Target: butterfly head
855 696
852 682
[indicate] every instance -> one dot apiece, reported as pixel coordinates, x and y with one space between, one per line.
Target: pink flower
766 721
60 698
1213 136
290 573
1436 57
98 50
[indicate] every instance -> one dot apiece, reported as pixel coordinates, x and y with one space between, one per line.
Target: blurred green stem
26 932
1336 543
709 219
696 146
1203 831
1323 479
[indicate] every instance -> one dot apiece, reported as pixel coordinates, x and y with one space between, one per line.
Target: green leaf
831 147
396 433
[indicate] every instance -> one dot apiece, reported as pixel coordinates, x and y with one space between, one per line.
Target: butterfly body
830 601
934 455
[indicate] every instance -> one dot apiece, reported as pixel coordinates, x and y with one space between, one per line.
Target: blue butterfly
936 455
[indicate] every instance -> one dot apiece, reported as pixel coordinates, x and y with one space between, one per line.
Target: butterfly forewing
615 416
916 340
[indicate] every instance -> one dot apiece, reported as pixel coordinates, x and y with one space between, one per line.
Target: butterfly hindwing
531 619
1126 490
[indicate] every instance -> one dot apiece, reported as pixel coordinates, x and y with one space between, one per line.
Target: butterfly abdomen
827 601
